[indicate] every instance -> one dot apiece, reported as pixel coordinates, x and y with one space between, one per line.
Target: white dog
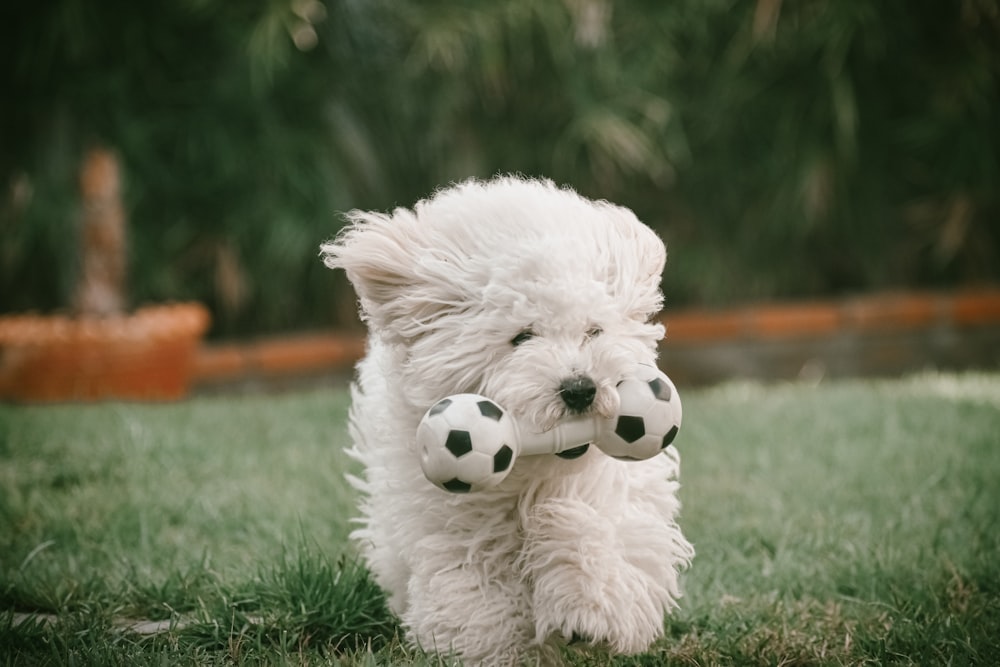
541 300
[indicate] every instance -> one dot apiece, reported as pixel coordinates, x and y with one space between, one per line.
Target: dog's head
512 288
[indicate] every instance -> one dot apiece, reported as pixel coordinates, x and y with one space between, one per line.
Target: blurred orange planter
147 355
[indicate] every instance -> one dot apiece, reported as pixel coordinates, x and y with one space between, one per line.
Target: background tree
782 149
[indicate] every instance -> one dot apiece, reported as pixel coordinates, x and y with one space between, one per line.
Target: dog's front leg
470 604
602 561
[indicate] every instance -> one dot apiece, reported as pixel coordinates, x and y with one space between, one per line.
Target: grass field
849 523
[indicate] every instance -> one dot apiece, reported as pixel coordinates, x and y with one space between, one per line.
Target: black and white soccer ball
648 419
466 443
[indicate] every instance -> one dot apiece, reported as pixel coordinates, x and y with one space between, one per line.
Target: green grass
850 523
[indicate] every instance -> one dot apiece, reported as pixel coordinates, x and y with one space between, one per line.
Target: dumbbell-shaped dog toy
468 443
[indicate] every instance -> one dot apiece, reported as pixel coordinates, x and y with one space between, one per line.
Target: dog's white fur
562 548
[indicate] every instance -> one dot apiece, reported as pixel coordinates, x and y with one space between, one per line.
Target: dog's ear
637 265
652 255
380 254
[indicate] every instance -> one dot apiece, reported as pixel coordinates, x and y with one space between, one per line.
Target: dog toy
468 443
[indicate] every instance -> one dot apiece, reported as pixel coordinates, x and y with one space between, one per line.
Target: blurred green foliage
782 149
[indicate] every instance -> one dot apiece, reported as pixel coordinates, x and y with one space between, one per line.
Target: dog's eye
594 332
525 335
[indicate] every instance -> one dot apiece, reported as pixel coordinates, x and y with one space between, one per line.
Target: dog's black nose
578 392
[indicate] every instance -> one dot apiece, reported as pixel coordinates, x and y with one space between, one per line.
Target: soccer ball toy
468 443
648 419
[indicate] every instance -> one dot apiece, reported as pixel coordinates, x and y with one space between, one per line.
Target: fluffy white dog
542 300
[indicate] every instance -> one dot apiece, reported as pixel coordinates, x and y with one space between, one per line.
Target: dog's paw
611 610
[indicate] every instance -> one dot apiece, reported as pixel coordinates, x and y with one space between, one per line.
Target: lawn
852 522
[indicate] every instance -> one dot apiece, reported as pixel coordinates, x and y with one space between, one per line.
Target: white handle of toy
565 435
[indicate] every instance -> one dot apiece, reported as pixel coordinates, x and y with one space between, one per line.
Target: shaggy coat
506 288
